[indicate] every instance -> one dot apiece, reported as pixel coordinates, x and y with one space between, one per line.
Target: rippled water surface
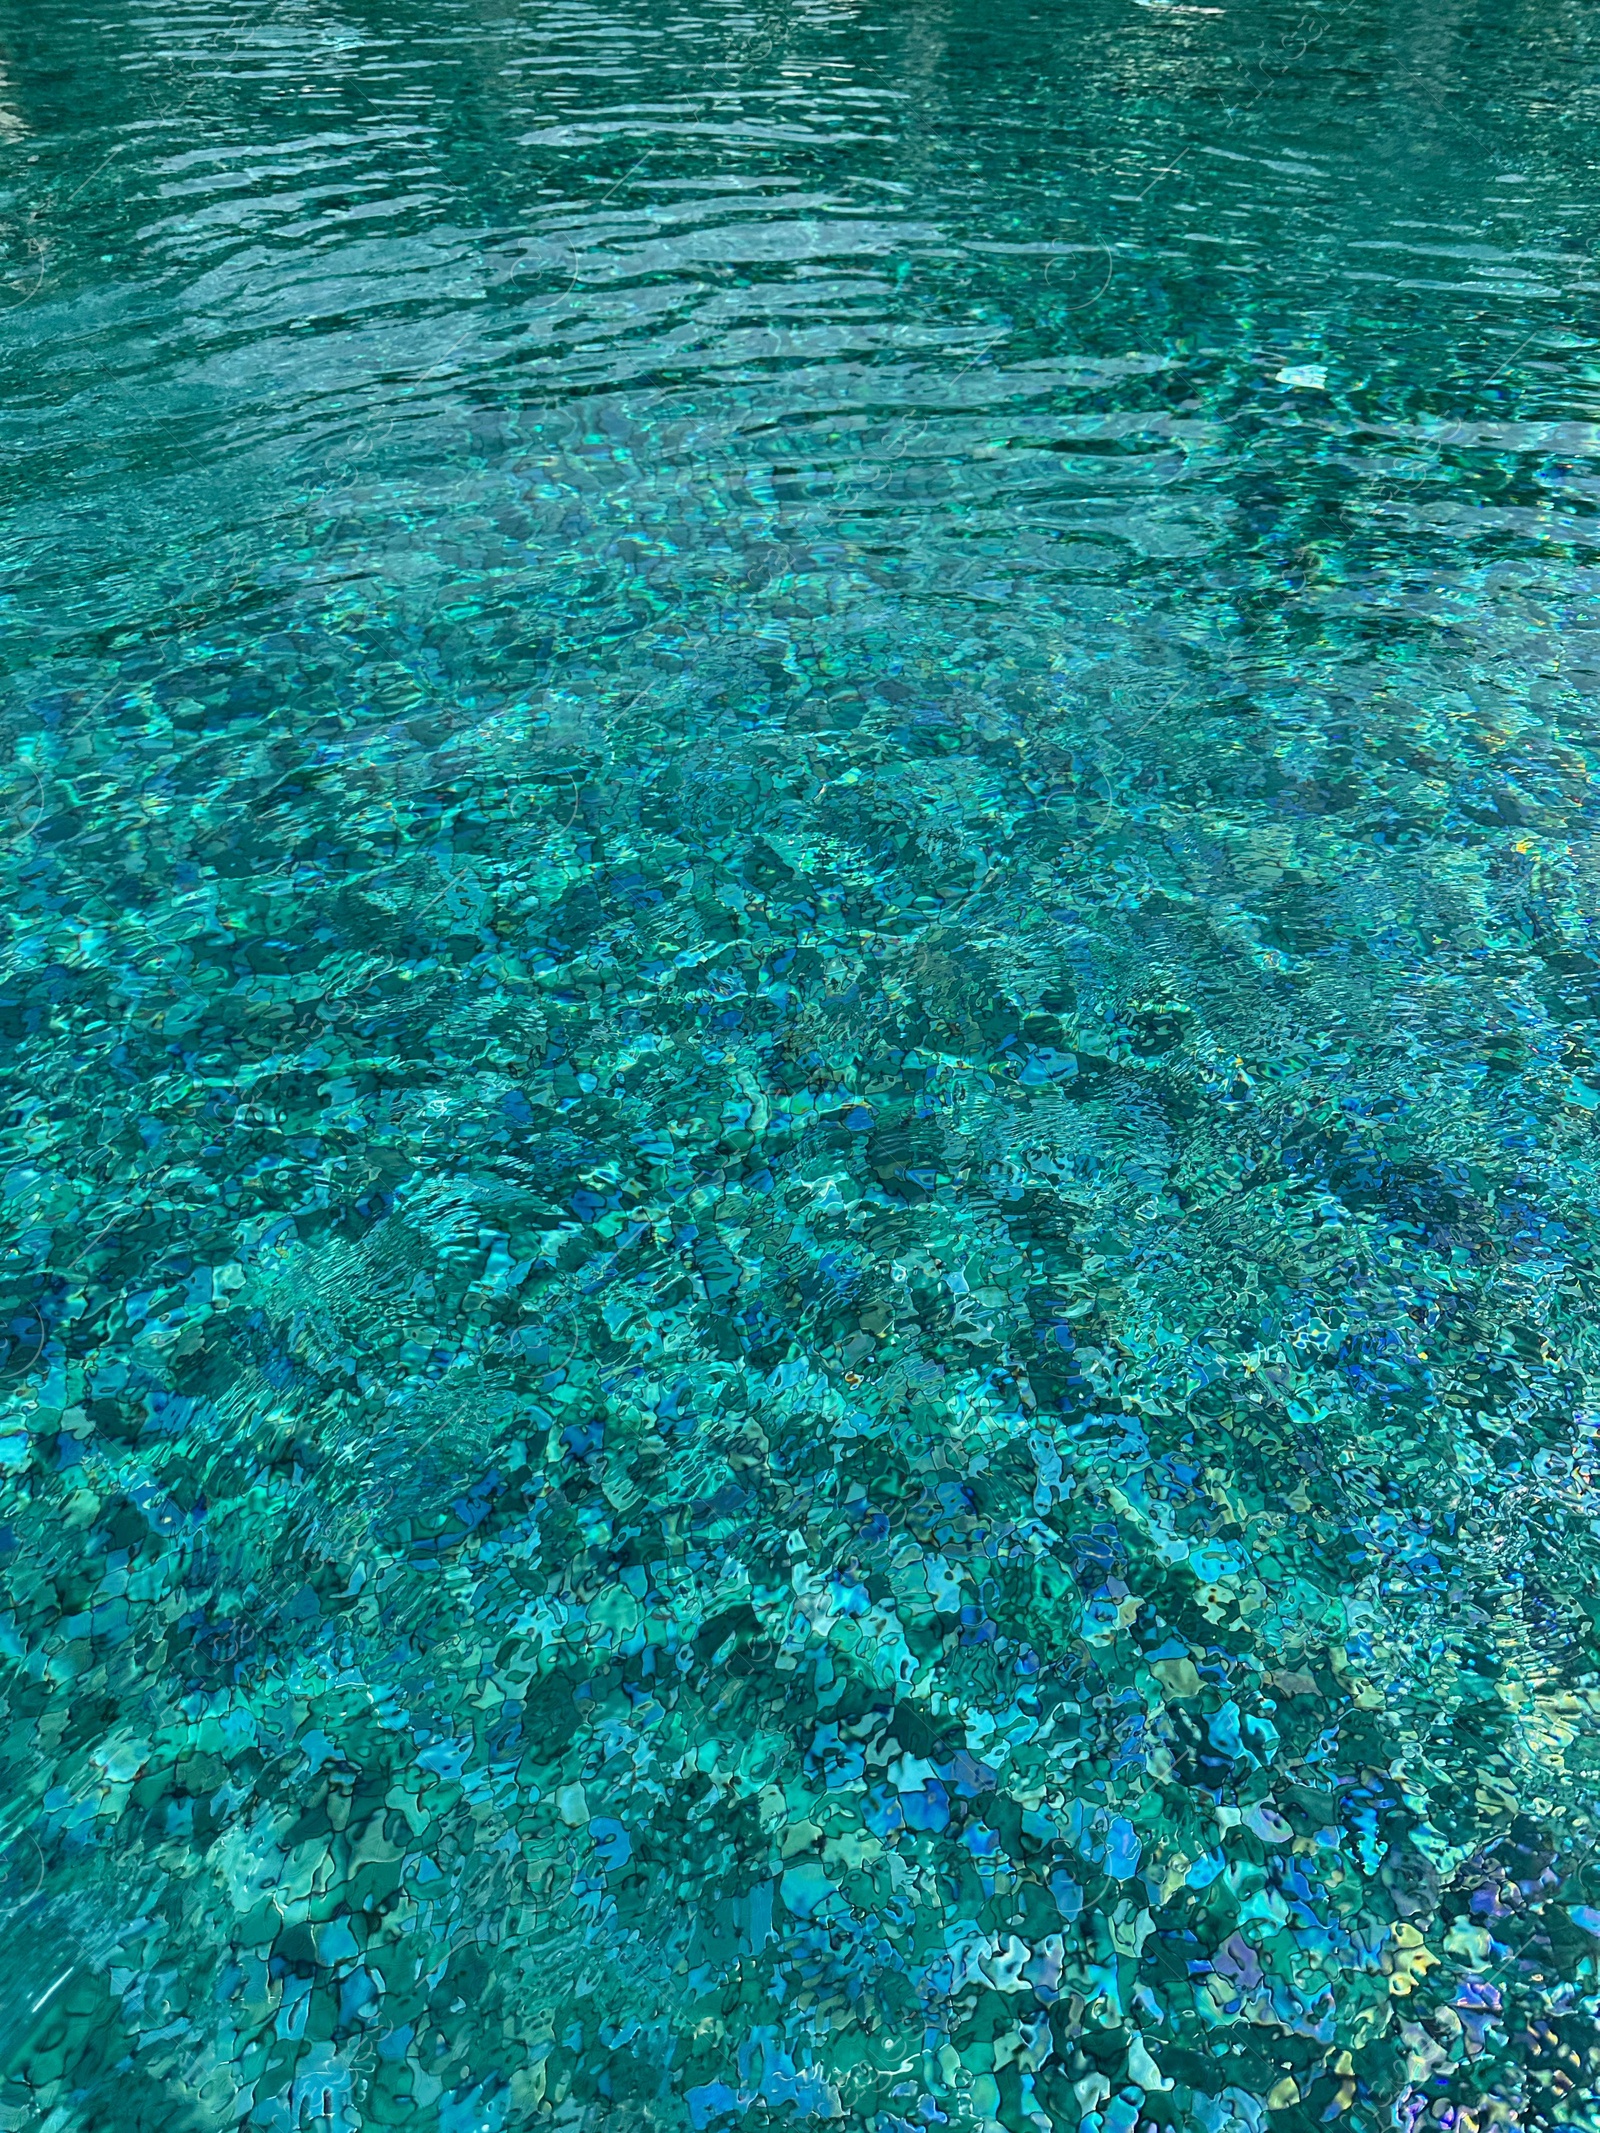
800 1007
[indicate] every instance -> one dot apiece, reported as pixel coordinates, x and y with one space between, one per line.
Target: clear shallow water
800 1195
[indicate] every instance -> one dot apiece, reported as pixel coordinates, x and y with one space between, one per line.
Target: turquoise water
801 1016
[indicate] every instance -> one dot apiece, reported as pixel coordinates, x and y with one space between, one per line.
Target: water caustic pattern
800 1010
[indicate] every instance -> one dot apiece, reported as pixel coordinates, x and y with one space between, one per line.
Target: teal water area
800 1017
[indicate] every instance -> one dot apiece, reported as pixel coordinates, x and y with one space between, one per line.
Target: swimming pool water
801 1037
